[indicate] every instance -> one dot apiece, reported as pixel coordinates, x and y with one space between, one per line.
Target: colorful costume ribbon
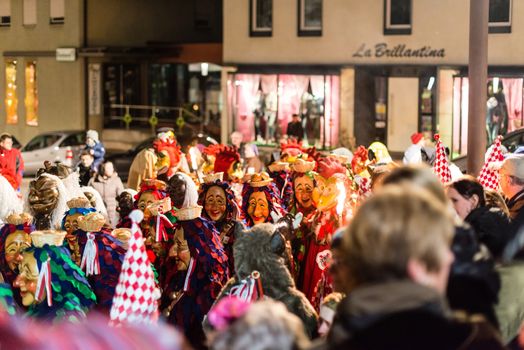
90 256
249 289
44 283
161 222
190 270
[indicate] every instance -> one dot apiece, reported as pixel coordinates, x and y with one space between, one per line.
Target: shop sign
66 54
94 89
382 50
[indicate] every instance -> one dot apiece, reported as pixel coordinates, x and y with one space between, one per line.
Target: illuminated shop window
31 94
11 101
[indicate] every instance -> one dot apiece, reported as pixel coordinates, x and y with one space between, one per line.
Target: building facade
38 91
376 72
122 66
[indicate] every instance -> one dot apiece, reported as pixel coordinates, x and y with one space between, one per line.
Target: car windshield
41 141
77 139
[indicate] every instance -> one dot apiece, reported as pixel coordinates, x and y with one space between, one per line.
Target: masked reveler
151 192
102 258
14 239
52 287
220 207
332 209
201 268
260 198
304 182
281 175
9 201
47 201
125 204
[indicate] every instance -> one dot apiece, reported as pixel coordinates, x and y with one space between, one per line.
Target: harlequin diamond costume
199 259
220 207
14 239
62 290
137 293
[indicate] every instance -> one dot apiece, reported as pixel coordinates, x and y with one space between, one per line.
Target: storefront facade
395 75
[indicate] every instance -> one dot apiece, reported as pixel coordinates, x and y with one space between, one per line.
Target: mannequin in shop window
496 111
260 116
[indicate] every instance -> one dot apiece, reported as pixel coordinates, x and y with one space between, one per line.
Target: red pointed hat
489 176
416 137
441 165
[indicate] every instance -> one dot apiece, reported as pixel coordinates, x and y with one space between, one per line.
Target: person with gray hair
267 325
512 185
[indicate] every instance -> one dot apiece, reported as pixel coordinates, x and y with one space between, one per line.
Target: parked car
511 141
51 146
122 161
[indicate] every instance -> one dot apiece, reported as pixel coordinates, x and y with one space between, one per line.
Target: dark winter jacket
84 174
108 188
404 315
516 212
492 228
474 283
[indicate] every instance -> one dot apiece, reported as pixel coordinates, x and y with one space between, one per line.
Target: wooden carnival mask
43 195
303 187
27 278
258 209
215 203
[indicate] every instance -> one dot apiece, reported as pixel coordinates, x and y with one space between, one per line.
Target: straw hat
92 222
50 237
303 166
211 178
79 202
260 180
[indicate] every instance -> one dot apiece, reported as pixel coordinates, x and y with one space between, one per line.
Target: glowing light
192 157
341 197
495 84
204 67
431 83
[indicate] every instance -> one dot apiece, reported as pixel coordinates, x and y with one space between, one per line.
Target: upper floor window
500 16
29 12
309 17
261 17
5 13
57 12
397 16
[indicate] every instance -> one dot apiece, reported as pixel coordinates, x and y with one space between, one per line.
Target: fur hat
92 134
514 166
